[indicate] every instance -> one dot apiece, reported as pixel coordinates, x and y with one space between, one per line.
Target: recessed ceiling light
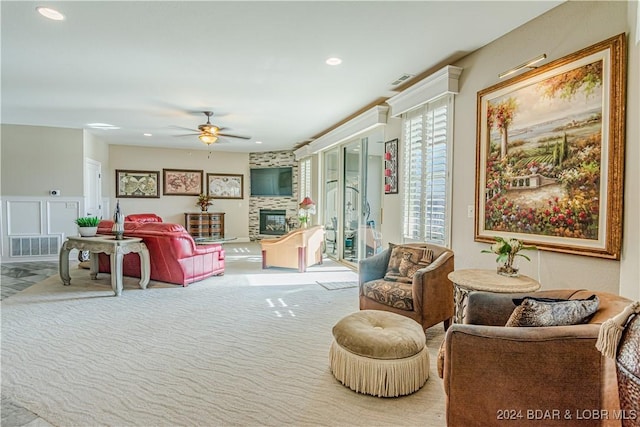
334 61
104 126
47 12
258 142
147 134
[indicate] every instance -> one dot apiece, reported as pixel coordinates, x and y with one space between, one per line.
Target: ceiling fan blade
184 128
233 136
188 134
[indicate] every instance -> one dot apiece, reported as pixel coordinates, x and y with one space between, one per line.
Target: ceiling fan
209 133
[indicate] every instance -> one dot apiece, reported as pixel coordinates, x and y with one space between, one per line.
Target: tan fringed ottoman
379 353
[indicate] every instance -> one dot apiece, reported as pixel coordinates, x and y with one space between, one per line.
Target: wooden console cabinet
205 225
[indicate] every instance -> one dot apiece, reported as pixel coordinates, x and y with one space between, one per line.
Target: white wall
172 208
95 148
36 159
391 225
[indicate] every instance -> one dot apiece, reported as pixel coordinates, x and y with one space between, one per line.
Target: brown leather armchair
431 291
495 375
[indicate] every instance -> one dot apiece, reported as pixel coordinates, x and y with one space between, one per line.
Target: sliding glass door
331 195
352 207
352 198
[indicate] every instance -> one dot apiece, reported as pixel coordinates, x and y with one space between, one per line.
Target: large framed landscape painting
550 154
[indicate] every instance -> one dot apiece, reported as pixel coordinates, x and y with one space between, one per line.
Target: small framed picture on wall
181 182
140 184
225 186
391 167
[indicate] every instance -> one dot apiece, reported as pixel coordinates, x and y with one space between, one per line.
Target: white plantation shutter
413 131
305 178
427 141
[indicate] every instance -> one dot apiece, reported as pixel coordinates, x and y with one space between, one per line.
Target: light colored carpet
248 348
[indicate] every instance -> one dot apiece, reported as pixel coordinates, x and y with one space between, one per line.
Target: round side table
465 281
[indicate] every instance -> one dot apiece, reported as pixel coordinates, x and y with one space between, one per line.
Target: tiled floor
15 277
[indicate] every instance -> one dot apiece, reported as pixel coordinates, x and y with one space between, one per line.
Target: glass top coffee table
209 241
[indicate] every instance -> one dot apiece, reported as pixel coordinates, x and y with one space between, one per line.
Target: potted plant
87 225
204 201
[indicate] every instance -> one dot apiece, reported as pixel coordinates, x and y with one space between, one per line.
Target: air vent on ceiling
403 78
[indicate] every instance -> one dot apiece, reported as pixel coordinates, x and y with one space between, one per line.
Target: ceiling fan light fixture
209 128
208 138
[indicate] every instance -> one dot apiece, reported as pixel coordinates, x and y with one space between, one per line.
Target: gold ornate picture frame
550 154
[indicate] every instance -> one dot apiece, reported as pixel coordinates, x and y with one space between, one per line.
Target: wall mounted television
273 182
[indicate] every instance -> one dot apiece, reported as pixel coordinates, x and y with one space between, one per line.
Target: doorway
352 202
92 188
330 173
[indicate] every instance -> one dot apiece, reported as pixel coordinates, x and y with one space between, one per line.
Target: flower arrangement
306 207
204 201
507 250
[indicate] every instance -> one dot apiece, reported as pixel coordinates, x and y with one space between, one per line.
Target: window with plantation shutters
426 200
305 178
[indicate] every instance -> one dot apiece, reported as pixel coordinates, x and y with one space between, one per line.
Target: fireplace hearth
273 221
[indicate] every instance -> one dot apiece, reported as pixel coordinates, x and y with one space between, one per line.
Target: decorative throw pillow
405 261
427 257
552 312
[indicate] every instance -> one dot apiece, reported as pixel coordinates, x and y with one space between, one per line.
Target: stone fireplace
258 228
273 221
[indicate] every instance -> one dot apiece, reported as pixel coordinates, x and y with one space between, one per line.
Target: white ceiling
147 67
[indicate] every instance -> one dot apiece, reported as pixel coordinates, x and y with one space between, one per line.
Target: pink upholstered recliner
174 256
143 217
